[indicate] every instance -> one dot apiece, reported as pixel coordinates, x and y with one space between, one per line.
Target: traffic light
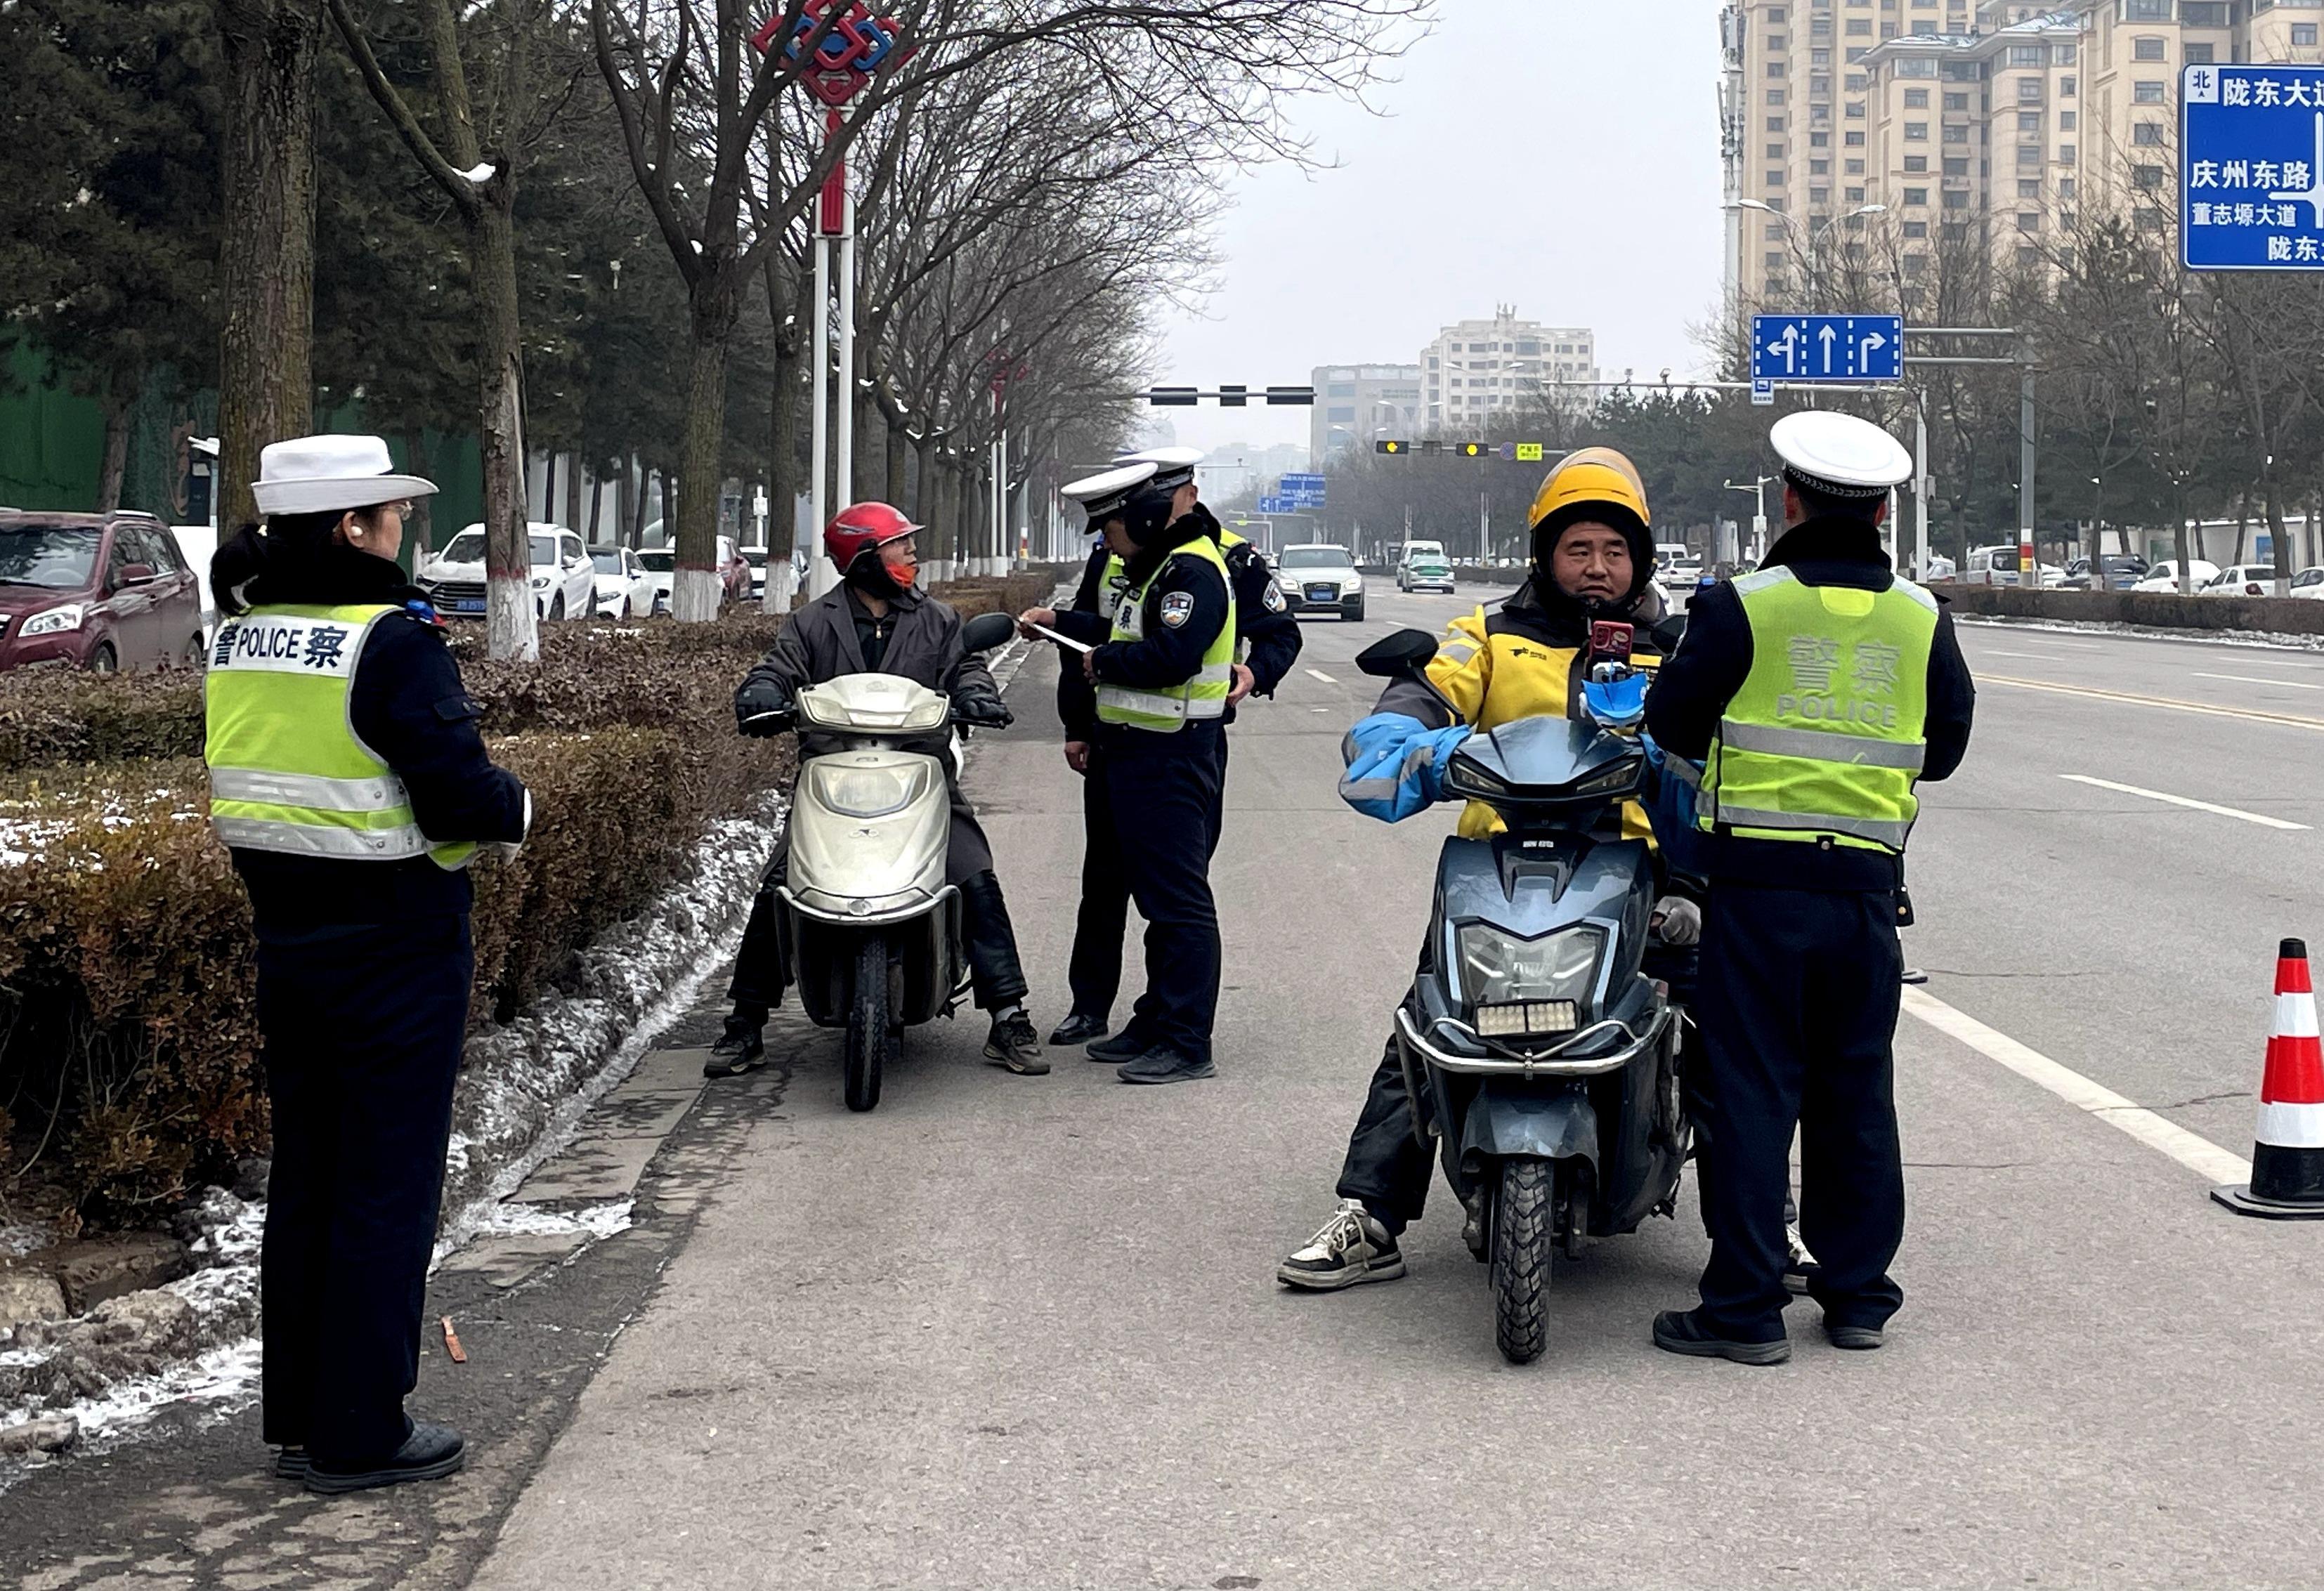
1388 447
1234 397
1473 450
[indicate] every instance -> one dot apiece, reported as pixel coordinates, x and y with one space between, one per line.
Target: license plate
469 606
1322 594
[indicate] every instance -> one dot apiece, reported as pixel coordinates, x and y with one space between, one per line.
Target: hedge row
128 1038
2159 609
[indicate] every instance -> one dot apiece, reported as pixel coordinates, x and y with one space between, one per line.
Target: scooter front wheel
871 1039
1524 1222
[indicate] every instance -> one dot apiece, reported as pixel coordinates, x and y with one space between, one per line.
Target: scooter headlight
862 791
1499 969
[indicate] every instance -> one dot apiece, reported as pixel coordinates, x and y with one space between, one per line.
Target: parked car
2240 580
624 589
1940 567
1998 565
1318 577
2123 571
2310 583
734 572
563 580
2164 577
100 592
660 565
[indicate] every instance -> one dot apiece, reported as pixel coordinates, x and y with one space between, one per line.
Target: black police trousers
362 1029
1094 973
1161 791
1388 1166
1798 1013
996 974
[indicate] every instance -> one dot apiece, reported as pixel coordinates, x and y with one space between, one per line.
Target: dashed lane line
2197 1153
2261 819
2288 684
2209 709
1319 674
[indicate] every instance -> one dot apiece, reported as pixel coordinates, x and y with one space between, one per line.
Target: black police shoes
739 1049
430 1453
290 1463
1159 1065
1856 1338
1078 1029
1682 1331
1121 1047
1014 1045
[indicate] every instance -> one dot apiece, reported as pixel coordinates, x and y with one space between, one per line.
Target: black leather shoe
1857 1338
1078 1029
740 1049
1682 1331
290 1463
1164 1066
1121 1047
430 1453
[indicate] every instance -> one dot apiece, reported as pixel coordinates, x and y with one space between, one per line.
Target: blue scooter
1542 1059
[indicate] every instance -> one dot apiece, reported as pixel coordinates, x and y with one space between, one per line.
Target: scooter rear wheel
872 1038
1525 1222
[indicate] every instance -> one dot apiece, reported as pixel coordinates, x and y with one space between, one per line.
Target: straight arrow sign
1830 336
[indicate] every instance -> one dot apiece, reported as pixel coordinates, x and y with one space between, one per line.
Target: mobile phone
1610 640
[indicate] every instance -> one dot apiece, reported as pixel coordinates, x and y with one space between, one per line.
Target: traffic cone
2288 1160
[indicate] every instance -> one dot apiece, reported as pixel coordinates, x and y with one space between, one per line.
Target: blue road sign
1821 348
1276 505
1303 486
2251 183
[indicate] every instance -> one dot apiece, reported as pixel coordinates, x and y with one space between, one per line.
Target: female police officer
348 780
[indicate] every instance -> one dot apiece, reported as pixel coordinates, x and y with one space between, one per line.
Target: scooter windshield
1547 760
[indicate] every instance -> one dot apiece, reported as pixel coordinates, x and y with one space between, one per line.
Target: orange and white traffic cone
2288 1160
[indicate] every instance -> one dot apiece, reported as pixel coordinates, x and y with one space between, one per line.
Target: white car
624 589
2240 580
563 580
1430 570
2164 577
1319 575
1940 567
2310 583
660 565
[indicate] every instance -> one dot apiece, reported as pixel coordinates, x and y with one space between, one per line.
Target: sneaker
1077 1029
1121 1047
1682 1331
1014 1045
430 1453
1352 1247
739 1049
290 1463
1159 1065
1801 1268
1857 1338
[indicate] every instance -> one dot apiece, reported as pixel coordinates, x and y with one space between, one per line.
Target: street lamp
1758 489
1808 235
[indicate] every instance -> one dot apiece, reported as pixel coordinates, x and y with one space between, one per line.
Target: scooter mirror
1407 651
986 632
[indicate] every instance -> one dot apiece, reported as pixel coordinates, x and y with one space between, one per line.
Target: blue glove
1620 704
1396 765
1673 789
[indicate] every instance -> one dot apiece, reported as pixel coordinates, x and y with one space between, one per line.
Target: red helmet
862 528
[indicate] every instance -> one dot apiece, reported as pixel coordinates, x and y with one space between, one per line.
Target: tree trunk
897 452
782 469
117 447
510 616
596 510
694 592
573 492
865 486
266 287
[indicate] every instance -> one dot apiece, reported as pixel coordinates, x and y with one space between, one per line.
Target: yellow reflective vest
1166 709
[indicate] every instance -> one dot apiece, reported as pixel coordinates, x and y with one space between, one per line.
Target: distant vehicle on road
1940 567
1321 575
2310 583
2123 571
2164 577
100 592
564 580
1429 572
624 589
1998 565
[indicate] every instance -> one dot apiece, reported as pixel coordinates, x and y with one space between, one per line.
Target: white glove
1678 919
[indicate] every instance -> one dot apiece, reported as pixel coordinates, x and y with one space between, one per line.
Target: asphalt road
1024 1332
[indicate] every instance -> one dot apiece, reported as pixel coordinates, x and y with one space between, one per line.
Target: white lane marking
2028 656
2192 1150
2261 819
2210 709
1319 674
2289 684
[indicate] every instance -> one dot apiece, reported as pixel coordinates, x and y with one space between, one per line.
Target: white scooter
871 932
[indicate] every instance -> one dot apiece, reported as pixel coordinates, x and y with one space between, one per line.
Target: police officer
1817 693
1163 666
351 787
1267 644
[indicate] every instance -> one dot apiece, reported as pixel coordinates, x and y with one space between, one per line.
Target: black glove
981 710
762 707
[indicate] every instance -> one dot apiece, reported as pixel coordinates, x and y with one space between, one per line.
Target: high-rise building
1478 367
1924 122
1356 404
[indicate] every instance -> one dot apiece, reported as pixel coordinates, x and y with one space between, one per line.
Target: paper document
1063 641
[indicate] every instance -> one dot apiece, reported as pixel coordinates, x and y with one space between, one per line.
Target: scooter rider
1817 692
1267 644
878 621
1593 560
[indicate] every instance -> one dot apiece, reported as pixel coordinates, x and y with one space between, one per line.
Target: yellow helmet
1592 476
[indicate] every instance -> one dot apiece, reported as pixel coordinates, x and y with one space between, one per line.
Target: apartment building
1478 367
1357 404
1925 122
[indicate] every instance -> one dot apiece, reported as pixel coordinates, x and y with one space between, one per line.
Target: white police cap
1173 466
1839 454
1102 496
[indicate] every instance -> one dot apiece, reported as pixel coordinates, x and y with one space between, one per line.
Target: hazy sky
1559 155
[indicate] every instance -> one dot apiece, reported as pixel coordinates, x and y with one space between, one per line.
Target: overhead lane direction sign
2251 180
1820 349
1305 492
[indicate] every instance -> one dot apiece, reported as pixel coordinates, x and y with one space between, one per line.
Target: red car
100 592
